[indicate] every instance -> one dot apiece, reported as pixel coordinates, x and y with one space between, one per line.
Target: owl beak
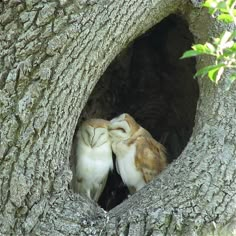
93 140
92 143
92 135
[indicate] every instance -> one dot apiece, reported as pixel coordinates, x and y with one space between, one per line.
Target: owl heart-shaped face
120 128
94 133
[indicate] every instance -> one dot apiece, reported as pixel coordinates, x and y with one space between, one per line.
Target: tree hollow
150 82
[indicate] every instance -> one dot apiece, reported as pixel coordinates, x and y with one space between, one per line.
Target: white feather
92 163
125 160
92 168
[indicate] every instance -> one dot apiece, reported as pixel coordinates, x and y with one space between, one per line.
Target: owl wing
150 157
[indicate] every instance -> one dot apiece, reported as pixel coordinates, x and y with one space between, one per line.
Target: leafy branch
222 48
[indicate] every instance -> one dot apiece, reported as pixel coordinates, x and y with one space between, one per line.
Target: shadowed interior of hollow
150 82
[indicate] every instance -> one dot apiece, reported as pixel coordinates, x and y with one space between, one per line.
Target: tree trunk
52 55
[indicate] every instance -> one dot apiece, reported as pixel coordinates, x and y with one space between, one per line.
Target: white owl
139 157
93 158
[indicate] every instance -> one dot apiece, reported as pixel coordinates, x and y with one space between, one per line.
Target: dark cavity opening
150 82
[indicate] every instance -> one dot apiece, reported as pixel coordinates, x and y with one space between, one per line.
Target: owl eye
102 134
121 129
87 132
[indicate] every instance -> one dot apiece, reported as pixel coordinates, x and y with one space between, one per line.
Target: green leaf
190 53
225 18
221 5
205 70
215 74
231 3
210 4
200 48
212 11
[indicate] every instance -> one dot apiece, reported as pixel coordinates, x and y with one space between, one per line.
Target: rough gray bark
52 55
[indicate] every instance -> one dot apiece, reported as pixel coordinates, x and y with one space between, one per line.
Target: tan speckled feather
150 156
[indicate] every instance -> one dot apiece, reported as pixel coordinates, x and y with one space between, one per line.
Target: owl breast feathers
139 157
93 158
